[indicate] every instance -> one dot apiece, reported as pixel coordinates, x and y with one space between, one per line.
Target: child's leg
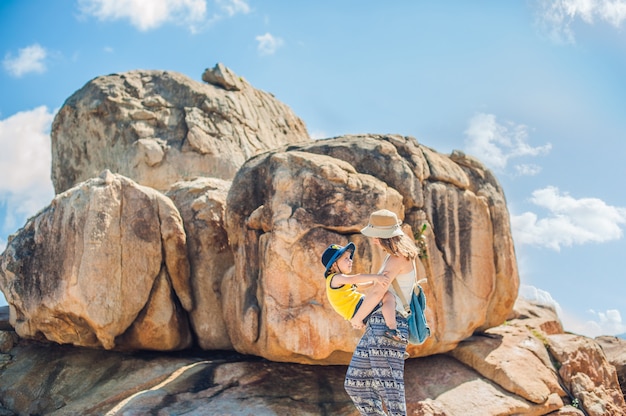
389 310
389 316
371 299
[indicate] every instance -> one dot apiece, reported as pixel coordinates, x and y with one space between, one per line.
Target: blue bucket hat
333 252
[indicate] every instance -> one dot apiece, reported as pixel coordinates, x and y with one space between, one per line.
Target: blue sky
534 89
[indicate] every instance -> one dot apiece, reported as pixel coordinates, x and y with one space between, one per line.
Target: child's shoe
394 334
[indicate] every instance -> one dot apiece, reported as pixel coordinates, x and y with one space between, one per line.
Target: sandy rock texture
104 265
202 206
160 127
286 206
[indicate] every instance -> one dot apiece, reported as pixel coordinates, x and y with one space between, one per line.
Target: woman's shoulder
401 263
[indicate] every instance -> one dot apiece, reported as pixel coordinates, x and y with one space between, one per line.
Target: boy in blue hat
341 288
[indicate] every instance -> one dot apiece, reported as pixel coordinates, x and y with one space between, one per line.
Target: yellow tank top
343 299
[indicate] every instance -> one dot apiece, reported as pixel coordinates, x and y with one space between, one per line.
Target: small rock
8 339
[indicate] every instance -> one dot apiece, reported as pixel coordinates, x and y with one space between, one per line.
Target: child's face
344 263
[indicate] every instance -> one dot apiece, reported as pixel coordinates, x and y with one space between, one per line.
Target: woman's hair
400 245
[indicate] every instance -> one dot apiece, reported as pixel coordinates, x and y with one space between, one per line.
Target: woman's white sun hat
383 224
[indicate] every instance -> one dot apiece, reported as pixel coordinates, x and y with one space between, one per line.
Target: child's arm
365 285
357 279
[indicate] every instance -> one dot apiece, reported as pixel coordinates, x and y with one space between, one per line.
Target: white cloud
268 44
539 296
25 163
495 144
151 14
608 322
233 7
28 59
570 221
146 14
556 16
3 245
527 169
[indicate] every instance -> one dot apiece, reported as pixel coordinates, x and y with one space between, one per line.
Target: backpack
418 327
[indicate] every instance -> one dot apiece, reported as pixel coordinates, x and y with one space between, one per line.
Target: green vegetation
420 239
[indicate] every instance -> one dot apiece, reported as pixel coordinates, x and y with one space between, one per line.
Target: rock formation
253 248
206 239
615 350
588 374
202 205
286 206
105 265
160 127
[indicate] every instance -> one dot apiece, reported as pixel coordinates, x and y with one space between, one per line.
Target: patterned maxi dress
376 372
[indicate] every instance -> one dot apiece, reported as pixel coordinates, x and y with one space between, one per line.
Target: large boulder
286 206
202 205
529 374
160 127
104 265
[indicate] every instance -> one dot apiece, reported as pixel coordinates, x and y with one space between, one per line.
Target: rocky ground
492 373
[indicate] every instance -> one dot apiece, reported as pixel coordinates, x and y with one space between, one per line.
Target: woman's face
344 263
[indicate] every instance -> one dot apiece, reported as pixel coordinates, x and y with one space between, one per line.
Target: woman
376 371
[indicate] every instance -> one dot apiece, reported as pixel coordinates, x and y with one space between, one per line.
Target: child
341 288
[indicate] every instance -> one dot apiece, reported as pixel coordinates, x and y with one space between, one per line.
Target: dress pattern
376 372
